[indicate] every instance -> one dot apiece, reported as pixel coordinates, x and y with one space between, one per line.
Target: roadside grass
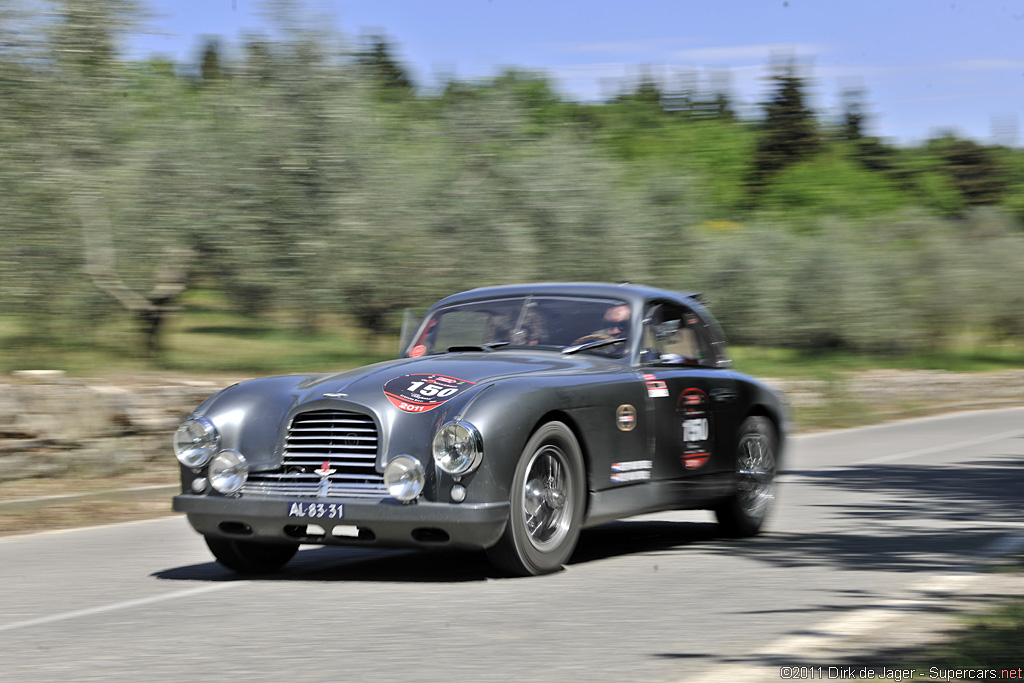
987 641
990 641
794 364
206 337
201 339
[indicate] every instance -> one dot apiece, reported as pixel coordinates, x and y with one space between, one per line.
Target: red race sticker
423 392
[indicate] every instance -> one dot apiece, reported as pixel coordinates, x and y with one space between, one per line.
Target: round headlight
458 448
404 477
195 442
228 471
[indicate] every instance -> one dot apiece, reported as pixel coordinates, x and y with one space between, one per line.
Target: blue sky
924 65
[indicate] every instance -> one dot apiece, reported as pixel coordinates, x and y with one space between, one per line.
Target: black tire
547 497
744 512
249 557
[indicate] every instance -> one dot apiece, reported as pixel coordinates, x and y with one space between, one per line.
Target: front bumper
386 523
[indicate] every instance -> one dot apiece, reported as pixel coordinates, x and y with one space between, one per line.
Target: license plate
314 510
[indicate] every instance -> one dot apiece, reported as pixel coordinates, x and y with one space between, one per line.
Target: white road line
829 640
945 447
95 527
64 497
881 426
128 604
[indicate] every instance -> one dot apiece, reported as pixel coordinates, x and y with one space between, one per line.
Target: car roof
604 290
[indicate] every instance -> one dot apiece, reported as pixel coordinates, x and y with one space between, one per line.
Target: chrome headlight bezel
228 471
458 448
196 441
404 478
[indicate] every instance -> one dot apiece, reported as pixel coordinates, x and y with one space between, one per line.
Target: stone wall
52 425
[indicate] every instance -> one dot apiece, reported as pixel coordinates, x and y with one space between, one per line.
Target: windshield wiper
477 347
592 345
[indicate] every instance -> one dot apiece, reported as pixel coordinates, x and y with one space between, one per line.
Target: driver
616 325
616 321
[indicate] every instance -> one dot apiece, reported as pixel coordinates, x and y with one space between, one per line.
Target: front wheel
547 497
743 513
249 557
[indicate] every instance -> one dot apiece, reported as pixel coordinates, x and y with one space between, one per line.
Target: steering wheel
587 338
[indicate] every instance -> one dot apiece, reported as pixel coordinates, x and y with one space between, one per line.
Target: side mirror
410 323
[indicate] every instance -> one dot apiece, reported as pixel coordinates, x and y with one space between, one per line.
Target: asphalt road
871 524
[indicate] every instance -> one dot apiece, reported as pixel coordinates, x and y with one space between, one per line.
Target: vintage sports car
514 417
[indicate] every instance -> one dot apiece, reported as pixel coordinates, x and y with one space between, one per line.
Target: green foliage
831 184
977 171
789 132
382 67
306 184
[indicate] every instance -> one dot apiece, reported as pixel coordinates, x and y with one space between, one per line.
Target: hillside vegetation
303 184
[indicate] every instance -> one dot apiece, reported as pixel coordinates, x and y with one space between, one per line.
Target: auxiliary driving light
228 471
404 477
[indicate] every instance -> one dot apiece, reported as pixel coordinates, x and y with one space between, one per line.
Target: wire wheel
755 474
743 513
547 498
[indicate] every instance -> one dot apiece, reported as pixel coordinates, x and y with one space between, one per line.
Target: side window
674 335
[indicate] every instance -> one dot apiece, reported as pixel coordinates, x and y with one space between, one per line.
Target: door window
674 335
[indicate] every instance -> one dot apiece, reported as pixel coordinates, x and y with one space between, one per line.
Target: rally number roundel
696 428
422 392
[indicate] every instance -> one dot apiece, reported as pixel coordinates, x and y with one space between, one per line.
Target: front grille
347 442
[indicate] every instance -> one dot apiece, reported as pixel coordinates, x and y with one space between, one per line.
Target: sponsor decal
420 393
696 433
632 470
696 429
695 460
625 417
692 397
417 351
656 388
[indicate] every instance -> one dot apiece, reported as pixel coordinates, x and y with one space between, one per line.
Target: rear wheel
546 511
743 513
249 557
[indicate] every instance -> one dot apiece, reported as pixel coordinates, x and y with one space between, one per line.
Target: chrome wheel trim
755 475
547 504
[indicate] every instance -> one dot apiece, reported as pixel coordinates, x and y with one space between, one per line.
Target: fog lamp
228 471
404 477
458 493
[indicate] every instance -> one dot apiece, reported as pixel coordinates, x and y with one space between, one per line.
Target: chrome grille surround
345 441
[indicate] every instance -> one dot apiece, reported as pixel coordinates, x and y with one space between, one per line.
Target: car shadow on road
386 565
910 518
918 518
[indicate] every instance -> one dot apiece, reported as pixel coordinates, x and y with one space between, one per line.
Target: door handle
724 395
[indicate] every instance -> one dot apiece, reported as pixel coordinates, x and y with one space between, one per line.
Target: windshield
526 322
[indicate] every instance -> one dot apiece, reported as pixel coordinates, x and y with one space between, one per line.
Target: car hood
419 393
475 367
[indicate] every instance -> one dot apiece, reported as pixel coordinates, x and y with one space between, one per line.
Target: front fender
251 416
508 412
